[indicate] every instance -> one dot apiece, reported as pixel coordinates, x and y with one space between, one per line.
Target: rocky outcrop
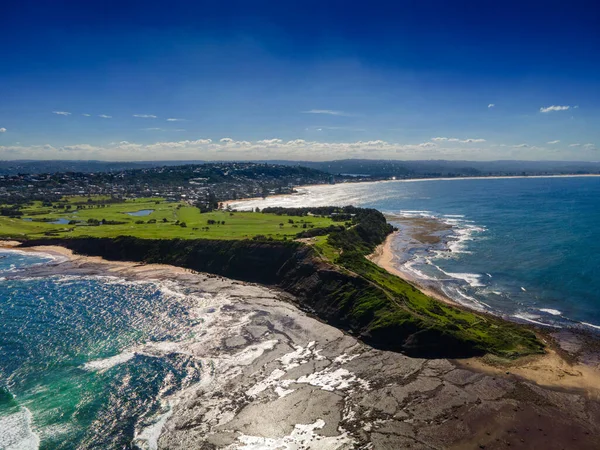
332 293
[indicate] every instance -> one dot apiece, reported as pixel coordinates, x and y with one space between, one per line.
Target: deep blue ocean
70 375
522 247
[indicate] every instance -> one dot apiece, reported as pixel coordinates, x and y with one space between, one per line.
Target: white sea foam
463 233
459 296
590 325
249 354
473 279
101 365
270 381
344 358
300 356
331 380
532 319
554 312
16 432
301 437
410 267
147 438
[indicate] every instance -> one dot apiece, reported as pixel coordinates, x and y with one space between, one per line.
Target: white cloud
173 119
229 149
62 113
548 109
104 116
589 146
153 129
269 141
575 145
145 116
553 142
87 115
2 130
521 146
462 141
330 112
491 105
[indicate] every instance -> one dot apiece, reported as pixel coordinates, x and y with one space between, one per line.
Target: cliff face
333 294
252 261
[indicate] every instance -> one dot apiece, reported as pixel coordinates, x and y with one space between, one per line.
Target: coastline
412 180
384 256
556 368
267 356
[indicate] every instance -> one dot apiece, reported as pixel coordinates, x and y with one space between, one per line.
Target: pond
61 221
141 212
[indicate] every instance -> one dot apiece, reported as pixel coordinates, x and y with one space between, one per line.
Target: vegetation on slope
342 287
398 305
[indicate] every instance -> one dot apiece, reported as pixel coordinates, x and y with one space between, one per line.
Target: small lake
141 212
61 221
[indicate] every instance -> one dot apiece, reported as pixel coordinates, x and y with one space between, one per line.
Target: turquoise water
71 374
523 247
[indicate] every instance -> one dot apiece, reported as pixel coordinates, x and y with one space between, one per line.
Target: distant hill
362 167
443 168
35 167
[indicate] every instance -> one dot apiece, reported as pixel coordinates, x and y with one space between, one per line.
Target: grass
325 249
491 334
165 218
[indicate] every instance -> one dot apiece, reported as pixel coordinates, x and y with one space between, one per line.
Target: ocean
81 364
524 248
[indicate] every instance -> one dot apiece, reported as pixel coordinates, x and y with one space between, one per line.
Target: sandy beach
551 370
408 180
279 377
384 257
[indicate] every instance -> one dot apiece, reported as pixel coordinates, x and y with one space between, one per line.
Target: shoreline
413 180
558 368
113 268
384 256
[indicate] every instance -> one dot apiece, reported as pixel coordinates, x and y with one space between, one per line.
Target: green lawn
166 219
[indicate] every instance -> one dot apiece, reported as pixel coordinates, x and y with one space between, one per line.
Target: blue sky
297 80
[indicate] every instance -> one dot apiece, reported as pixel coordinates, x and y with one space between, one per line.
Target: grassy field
495 335
164 221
